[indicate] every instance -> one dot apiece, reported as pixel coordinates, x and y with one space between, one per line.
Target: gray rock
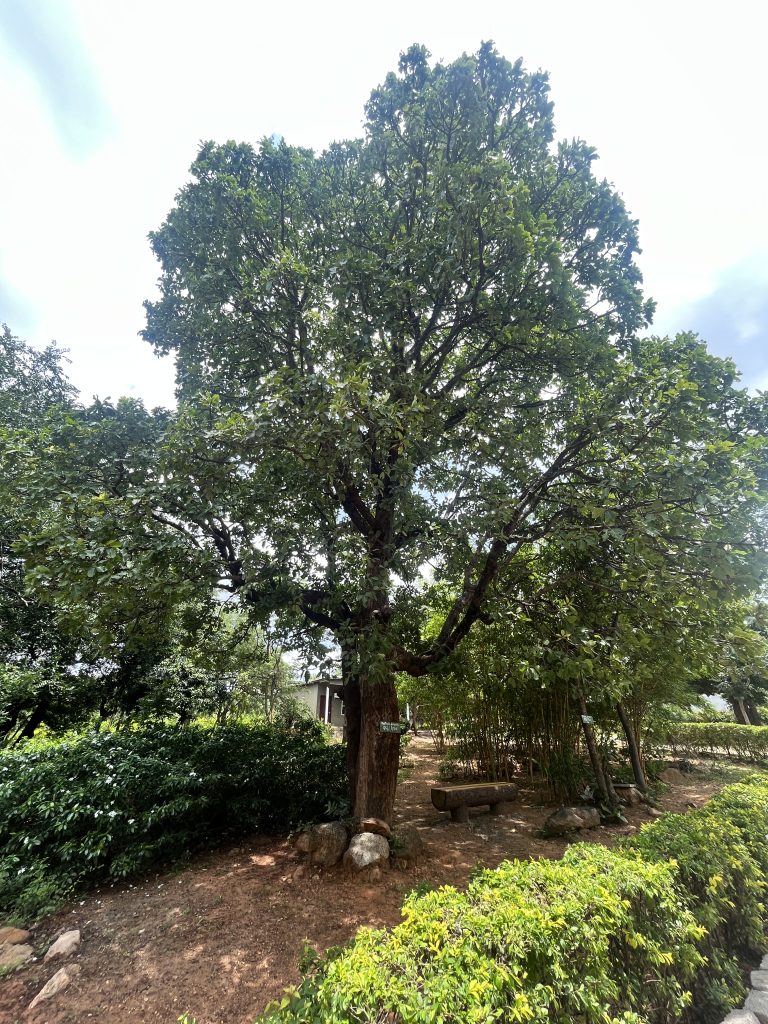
764 963
569 818
13 956
303 842
366 850
330 843
759 980
629 794
58 983
12 936
741 1017
757 1003
324 843
66 944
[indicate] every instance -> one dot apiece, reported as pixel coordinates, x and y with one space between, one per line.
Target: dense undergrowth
103 807
654 932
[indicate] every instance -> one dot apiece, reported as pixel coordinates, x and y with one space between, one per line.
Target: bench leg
460 814
502 807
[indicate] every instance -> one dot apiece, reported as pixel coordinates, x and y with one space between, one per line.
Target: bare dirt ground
222 937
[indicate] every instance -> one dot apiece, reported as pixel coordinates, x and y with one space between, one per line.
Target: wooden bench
458 799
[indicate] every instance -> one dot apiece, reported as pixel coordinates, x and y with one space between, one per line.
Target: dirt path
223 937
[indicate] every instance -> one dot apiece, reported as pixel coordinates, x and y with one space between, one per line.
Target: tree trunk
37 717
753 715
604 784
633 747
378 753
352 721
739 711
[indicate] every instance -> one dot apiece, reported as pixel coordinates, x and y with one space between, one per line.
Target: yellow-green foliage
742 742
601 937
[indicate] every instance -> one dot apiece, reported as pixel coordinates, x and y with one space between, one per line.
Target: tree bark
352 722
378 753
753 715
739 711
37 717
633 747
602 779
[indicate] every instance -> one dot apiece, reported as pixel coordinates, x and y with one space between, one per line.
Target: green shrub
720 882
600 937
107 806
585 938
741 742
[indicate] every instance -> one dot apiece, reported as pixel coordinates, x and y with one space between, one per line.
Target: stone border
755 1009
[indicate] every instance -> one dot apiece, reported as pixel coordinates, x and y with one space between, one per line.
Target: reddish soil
222 938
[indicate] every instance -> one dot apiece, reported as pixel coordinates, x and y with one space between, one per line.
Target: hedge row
638 934
741 742
107 806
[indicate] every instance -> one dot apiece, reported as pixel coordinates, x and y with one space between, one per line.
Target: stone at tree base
757 1003
375 825
57 984
65 945
324 843
568 818
759 979
12 956
331 840
366 850
303 842
741 1017
408 847
12 936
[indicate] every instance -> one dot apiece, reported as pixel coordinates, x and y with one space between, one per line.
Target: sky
104 104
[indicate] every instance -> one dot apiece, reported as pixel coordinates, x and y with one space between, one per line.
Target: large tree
414 355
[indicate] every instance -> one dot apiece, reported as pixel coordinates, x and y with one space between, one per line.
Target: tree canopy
409 360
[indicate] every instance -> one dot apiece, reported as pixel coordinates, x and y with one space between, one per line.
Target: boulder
629 794
58 982
375 825
66 944
303 841
569 818
12 936
13 956
757 1003
331 840
366 850
408 847
759 980
764 963
324 843
740 1017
